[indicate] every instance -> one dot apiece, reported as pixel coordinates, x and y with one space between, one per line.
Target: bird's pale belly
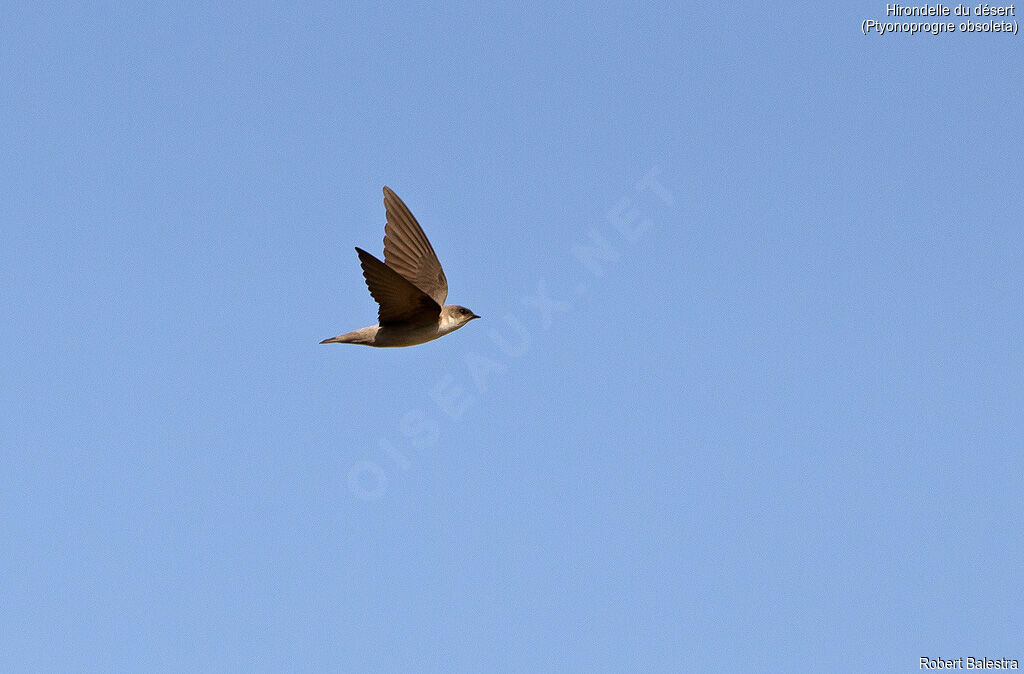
389 336
392 335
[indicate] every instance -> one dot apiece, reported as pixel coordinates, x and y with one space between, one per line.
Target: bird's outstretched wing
400 301
407 250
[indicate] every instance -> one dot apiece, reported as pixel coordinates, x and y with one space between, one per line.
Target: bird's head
455 316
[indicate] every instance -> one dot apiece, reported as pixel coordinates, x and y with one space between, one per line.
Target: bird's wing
400 301
407 250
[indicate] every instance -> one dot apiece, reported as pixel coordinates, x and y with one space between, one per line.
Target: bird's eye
462 311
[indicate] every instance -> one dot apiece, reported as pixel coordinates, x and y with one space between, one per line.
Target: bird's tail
354 337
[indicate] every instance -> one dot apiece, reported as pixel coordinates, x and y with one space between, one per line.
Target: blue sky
746 394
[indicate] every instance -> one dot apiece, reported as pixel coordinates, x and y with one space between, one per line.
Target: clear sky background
746 394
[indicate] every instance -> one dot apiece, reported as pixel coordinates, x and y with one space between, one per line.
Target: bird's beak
473 316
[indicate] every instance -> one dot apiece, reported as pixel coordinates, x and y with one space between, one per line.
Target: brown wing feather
400 301
407 250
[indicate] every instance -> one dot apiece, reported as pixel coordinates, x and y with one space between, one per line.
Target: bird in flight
409 285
